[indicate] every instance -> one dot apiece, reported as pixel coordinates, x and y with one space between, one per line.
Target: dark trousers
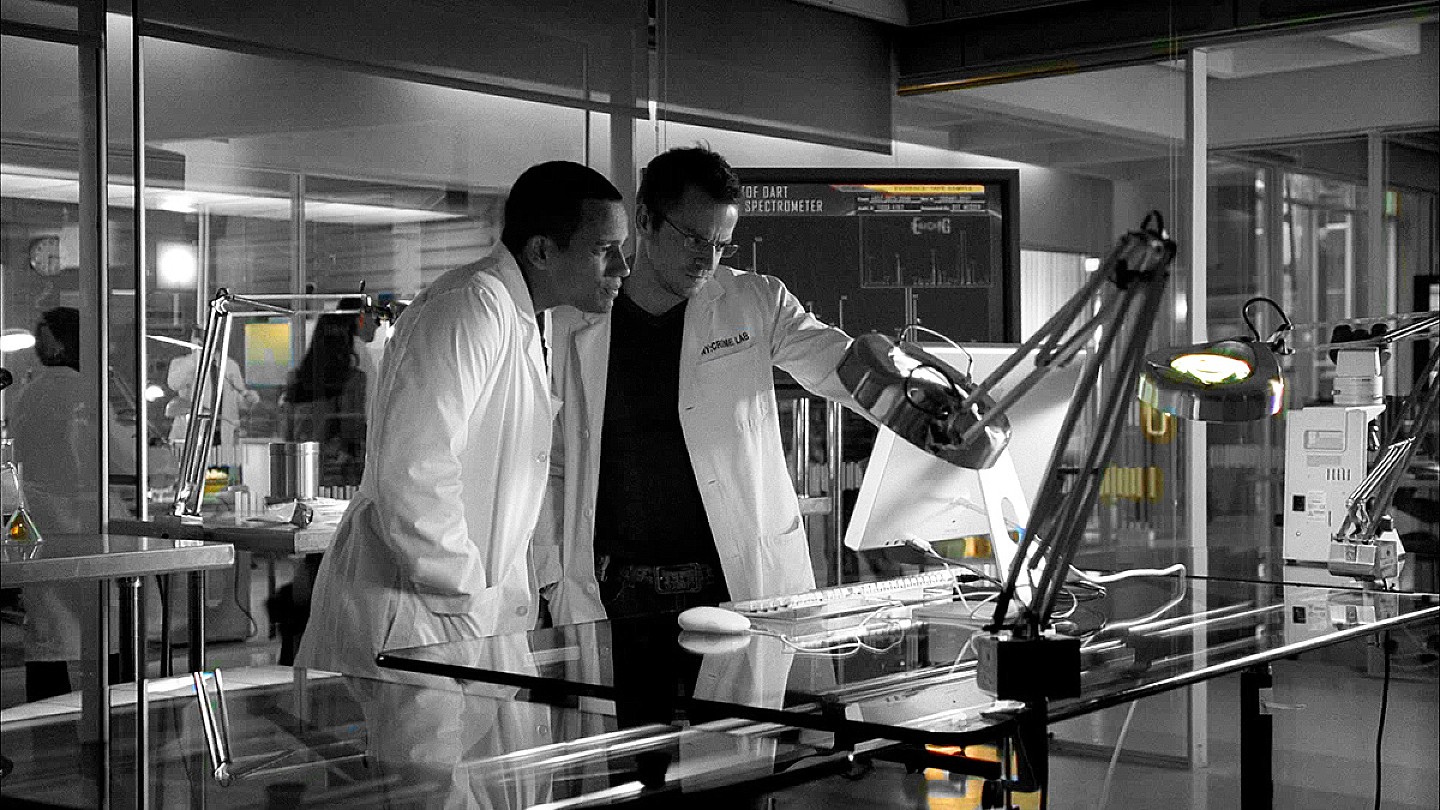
289 607
650 670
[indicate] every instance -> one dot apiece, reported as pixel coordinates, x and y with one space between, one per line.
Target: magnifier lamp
1231 380
925 401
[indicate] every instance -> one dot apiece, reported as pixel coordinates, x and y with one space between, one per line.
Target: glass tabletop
525 755
69 557
907 673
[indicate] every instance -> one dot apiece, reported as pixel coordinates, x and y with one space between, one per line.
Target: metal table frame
128 567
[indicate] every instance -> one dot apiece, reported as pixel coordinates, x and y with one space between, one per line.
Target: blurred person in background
327 395
55 429
181 378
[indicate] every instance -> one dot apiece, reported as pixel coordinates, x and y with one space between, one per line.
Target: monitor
875 249
907 494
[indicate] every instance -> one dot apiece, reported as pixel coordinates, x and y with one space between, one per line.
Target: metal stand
197 621
134 591
165 585
1128 289
1257 787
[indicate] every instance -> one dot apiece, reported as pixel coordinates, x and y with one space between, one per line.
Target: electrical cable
1178 569
235 597
926 549
1285 325
1388 646
848 647
970 359
1115 757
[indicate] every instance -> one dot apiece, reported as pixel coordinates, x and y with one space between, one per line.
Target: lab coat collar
715 287
505 268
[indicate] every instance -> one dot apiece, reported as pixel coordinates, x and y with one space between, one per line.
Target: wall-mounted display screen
872 250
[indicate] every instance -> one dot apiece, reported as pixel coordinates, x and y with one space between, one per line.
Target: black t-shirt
648 510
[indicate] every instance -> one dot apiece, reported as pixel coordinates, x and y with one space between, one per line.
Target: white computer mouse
712 643
706 619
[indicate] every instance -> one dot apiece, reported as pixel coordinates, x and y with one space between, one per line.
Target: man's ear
642 217
537 250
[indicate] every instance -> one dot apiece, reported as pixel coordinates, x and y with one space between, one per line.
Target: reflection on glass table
331 759
899 676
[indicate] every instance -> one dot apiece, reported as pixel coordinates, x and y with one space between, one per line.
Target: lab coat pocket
785 560
414 625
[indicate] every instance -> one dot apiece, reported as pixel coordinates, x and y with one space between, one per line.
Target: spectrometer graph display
878 249
908 235
914 251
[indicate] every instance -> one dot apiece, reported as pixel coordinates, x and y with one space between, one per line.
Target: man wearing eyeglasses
669 487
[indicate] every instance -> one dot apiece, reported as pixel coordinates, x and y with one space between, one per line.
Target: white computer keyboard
914 588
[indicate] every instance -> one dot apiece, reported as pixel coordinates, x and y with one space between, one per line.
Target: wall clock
45 255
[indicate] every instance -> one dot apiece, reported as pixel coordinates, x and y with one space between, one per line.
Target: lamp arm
1419 323
200 424
1366 507
1066 521
1129 284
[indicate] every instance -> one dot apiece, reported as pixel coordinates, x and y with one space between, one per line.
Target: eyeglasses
695 244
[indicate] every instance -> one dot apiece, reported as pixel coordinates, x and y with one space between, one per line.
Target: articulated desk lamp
1365 546
189 487
947 414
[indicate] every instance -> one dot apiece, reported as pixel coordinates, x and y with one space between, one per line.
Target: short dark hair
64 324
667 176
548 200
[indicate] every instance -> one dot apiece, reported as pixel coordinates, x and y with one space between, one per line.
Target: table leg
166 589
126 621
1256 738
135 597
197 621
270 589
95 703
300 679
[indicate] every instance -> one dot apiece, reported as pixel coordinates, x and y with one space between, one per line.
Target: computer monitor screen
907 494
875 249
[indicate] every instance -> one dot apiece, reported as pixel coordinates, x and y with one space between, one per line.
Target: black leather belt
668 579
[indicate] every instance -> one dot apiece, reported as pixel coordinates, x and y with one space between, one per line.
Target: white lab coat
181 377
55 433
448 741
737 327
433 547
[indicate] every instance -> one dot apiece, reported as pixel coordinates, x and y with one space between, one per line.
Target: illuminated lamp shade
1236 380
14 340
175 266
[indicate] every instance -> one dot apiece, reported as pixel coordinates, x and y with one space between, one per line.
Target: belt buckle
672 579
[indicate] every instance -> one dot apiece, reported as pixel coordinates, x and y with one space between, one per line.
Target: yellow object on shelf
216 479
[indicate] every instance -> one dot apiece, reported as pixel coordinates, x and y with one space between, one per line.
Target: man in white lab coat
181 378
670 486
433 547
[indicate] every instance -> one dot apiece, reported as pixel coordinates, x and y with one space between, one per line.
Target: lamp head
922 399
1234 380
